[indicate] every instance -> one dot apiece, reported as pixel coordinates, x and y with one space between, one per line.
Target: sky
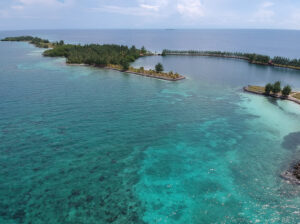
149 14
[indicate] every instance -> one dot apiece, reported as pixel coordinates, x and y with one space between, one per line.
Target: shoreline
105 56
234 57
292 174
130 72
142 74
290 97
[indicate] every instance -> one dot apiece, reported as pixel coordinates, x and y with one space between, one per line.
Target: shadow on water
273 101
291 141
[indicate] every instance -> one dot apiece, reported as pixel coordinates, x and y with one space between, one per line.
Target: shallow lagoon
83 145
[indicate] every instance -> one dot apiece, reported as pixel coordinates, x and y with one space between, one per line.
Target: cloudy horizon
149 14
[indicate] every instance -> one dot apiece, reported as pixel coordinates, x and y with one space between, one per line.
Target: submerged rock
293 174
296 171
292 142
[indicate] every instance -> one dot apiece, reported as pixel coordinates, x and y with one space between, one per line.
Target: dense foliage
286 90
286 61
159 68
276 87
111 56
253 58
258 58
193 52
94 54
38 42
268 88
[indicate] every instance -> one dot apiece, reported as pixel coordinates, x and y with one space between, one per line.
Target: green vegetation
276 87
94 54
268 88
286 90
272 89
149 73
38 42
258 58
252 58
286 61
125 64
159 68
143 50
112 56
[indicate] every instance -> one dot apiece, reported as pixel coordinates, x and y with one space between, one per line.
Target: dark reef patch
291 141
292 175
19 215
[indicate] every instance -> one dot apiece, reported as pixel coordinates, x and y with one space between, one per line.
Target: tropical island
275 90
38 42
276 61
109 56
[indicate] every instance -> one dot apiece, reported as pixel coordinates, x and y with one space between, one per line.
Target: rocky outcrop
293 174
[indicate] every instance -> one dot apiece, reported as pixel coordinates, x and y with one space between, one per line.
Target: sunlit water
85 145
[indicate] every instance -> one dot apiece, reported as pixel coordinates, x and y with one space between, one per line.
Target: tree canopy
95 54
38 42
268 88
159 68
286 90
276 87
108 55
92 54
251 57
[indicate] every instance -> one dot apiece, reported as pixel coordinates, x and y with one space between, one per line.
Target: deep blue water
85 145
270 42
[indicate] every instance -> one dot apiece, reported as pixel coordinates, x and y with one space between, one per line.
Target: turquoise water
84 145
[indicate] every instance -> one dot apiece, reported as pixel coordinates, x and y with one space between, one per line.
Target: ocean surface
269 42
87 145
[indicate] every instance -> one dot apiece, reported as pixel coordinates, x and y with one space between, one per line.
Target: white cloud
150 7
143 8
190 8
42 9
158 13
153 4
132 11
